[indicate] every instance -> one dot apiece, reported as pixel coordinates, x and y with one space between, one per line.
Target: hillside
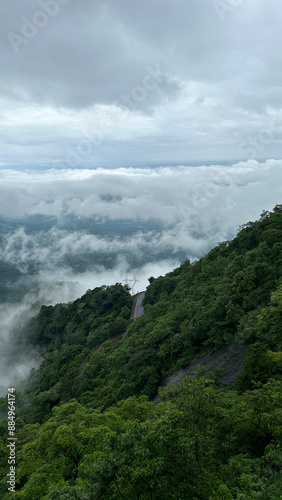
86 425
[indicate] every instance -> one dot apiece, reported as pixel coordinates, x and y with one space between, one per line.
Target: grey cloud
84 55
92 52
210 78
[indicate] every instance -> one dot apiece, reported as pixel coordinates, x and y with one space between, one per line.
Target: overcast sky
124 83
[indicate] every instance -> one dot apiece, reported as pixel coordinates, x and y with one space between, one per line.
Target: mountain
87 427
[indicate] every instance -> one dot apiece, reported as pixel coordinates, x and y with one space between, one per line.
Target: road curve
138 309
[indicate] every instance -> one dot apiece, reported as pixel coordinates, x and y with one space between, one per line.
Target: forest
87 426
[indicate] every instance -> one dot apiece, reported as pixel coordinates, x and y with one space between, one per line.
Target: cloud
161 82
16 357
192 209
169 194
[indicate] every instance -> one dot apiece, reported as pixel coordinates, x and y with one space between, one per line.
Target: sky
117 83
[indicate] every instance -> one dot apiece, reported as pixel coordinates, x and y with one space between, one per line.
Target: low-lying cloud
170 194
192 209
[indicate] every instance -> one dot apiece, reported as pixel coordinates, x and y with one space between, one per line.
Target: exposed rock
229 360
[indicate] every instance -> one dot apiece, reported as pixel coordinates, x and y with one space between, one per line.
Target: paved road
139 309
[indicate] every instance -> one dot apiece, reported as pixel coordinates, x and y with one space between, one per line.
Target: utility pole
131 282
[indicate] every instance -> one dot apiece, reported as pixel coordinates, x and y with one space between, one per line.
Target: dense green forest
87 427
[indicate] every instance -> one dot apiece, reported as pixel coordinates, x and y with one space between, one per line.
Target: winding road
138 309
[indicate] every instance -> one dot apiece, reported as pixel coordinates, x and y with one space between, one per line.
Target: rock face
229 360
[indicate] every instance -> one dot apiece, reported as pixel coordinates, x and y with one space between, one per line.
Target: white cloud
196 208
170 194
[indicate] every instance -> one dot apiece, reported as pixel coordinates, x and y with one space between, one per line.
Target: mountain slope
86 426
197 309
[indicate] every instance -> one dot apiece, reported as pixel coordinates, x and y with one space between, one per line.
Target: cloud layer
190 209
123 84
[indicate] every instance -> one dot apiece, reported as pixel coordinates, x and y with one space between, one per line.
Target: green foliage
198 442
263 329
198 308
86 426
69 333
